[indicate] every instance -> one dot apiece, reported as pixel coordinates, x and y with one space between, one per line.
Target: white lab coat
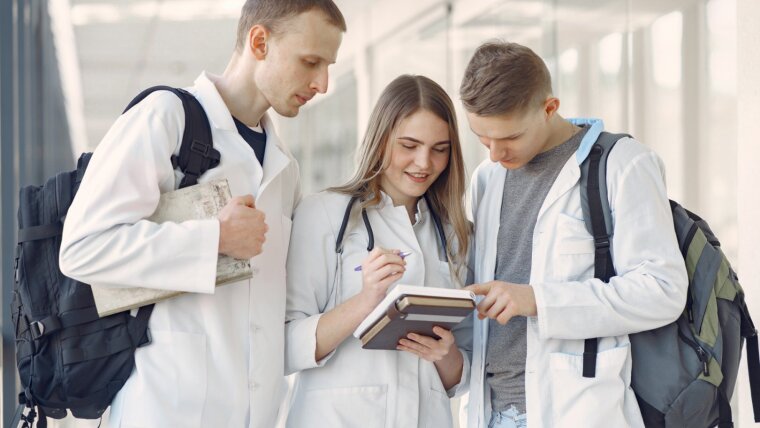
649 291
353 387
216 359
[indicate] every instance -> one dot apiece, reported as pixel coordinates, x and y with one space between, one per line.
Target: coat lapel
567 178
489 213
276 156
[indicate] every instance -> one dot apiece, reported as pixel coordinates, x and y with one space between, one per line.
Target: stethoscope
368 227
336 296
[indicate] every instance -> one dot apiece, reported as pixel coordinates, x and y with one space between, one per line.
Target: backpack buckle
37 329
146 339
200 147
602 243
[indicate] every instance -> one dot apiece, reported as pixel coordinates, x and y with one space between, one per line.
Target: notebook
413 309
201 201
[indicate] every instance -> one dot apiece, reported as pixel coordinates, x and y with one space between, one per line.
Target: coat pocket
436 411
363 406
575 249
168 386
589 402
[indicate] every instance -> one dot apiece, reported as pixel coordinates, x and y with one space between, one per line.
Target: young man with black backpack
216 356
535 259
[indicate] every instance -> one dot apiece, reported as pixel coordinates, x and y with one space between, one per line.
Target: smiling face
294 65
420 147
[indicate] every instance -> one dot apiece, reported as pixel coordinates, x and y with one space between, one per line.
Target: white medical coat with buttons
216 359
355 387
649 290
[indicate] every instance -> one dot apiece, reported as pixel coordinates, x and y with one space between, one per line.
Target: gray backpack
683 373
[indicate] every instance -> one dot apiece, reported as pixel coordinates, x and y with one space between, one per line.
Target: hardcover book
202 201
413 309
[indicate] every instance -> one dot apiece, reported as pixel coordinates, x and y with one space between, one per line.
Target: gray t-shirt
524 192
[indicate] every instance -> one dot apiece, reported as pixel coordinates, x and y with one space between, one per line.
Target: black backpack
683 373
68 358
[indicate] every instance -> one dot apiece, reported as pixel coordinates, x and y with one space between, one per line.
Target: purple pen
402 254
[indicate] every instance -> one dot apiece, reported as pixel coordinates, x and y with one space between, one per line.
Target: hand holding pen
402 254
380 269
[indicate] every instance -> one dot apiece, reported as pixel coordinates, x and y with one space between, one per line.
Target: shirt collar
386 201
596 128
218 114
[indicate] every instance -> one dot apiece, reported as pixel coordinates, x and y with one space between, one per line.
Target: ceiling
124 46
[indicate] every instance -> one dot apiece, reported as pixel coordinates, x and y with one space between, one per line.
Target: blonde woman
406 196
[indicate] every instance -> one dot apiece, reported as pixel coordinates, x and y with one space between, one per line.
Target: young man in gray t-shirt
533 258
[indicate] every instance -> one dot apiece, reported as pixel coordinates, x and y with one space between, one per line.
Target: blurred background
679 75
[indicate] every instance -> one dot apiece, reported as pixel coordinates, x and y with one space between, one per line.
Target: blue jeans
510 418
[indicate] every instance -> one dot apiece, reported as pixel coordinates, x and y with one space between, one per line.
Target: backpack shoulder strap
598 218
600 151
196 154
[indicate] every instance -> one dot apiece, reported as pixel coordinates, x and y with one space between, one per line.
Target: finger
504 317
246 200
426 341
486 303
389 280
497 308
479 289
387 258
385 271
411 351
374 254
414 345
445 335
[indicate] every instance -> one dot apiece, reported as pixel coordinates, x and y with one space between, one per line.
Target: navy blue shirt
257 140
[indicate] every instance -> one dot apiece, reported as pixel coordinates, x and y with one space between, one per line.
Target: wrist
366 302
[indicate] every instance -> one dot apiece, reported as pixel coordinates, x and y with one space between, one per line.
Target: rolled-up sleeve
463 334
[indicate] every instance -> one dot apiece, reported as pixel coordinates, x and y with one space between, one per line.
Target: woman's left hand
428 348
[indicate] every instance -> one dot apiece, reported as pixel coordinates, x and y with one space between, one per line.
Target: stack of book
413 309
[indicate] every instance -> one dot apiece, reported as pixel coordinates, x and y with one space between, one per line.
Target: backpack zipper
704 356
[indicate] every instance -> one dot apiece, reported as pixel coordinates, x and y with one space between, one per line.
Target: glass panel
515 21
719 162
421 48
323 137
658 96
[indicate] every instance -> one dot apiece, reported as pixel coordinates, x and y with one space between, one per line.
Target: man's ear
551 105
258 37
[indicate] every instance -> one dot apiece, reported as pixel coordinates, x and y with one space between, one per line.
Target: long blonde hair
404 96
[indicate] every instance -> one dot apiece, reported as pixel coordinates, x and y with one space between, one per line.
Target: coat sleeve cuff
464 380
301 345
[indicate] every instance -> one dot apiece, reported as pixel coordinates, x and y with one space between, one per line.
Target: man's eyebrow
321 58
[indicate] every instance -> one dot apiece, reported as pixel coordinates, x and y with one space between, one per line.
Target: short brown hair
504 78
270 13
